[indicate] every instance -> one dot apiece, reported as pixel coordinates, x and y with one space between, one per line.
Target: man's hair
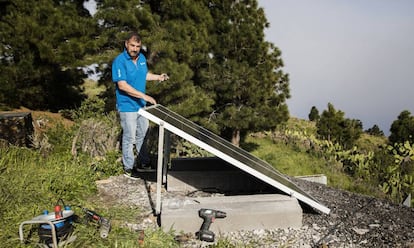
133 36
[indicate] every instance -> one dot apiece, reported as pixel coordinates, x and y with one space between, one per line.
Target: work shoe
130 174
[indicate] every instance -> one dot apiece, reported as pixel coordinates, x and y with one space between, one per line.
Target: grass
92 89
286 160
31 183
370 143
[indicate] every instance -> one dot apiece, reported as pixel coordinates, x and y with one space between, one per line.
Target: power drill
104 224
208 216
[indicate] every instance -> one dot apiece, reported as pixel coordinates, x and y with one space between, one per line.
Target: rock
360 231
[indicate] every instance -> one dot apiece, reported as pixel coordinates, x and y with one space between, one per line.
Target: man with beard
130 73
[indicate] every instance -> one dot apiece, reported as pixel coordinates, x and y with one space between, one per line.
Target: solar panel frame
225 150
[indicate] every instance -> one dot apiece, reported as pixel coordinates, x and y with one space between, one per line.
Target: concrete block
319 178
244 212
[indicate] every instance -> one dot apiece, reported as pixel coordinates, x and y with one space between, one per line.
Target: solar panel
228 152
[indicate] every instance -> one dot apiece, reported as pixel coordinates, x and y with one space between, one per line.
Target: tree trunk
235 137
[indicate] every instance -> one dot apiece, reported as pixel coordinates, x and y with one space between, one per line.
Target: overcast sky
356 54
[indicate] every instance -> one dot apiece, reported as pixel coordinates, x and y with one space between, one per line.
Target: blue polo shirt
123 68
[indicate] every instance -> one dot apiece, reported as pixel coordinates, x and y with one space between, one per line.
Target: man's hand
149 99
128 89
163 77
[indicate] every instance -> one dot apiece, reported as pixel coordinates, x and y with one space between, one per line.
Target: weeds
32 181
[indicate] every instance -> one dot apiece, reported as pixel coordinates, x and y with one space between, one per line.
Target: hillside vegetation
290 151
70 155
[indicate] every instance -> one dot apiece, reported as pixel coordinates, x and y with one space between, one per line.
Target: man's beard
133 54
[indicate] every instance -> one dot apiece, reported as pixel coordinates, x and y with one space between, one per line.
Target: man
130 73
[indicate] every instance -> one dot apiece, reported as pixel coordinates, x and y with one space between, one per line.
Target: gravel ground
355 220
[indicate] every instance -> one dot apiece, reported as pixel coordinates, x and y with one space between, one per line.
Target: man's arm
125 87
157 77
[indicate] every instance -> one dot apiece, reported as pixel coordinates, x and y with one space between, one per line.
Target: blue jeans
134 129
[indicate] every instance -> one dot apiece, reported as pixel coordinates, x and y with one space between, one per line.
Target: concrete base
319 178
244 212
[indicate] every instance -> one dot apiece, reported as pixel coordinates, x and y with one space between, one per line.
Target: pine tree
243 73
173 42
350 133
314 114
42 44
402 129
375 131
223 74
329 125
333 126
